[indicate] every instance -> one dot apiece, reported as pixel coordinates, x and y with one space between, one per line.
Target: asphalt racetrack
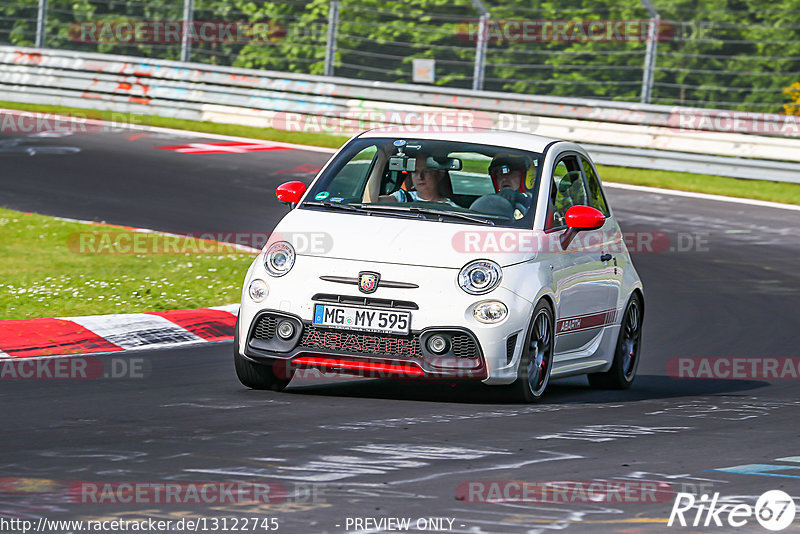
727 285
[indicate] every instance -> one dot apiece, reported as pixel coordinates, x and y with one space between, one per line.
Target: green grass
47 271
701 183
704 183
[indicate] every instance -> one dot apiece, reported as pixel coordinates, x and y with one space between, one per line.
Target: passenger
428 185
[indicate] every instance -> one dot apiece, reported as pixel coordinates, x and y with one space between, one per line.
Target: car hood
384 239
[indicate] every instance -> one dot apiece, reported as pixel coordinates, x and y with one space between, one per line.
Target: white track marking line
704 196
191 133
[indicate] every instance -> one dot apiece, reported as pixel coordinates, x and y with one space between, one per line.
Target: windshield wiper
373 207
418 212
456 214
427 211
334 205
360 208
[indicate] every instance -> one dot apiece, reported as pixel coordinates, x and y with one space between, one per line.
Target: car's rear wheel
259 375
626 357
533 373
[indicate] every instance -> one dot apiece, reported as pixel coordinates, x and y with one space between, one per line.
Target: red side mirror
579 218
584 218
290 192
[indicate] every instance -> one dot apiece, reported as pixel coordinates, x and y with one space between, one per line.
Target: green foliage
793 107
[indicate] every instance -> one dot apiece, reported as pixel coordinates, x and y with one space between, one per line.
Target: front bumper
438 303
363 353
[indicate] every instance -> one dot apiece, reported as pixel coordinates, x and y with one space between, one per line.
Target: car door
583 291
610 233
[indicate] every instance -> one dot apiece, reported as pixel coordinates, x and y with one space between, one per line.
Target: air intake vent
510 345
265 329
464 346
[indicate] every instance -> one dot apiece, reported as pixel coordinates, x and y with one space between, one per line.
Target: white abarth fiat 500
482 255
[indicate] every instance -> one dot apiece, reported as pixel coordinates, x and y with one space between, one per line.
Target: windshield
445 181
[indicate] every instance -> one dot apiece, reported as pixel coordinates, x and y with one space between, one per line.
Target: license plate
366 319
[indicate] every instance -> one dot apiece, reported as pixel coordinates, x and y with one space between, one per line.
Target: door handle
606 257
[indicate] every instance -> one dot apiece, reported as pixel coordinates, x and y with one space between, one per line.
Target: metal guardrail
634 135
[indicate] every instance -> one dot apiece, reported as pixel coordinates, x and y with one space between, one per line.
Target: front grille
360 343
265 329
464 346
365 301
510 345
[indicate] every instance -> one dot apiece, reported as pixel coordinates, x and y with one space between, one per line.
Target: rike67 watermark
774 510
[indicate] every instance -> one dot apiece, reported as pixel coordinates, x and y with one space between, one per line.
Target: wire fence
705 53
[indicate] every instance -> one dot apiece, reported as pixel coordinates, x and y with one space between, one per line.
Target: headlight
479 277
490 311
279 258
258 290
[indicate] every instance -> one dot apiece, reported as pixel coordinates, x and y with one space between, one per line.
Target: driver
509 174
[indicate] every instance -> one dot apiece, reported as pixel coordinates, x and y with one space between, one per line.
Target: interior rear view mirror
443 164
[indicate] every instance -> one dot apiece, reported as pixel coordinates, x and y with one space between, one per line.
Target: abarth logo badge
368 282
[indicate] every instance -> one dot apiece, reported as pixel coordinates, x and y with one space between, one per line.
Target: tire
627 354
259 375
536 363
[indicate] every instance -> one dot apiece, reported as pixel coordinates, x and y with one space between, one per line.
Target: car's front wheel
533 373
626 357
259 375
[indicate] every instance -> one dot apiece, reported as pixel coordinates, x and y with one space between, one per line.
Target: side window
567 190
596 198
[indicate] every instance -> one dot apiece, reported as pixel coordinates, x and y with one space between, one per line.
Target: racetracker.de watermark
564 491
31 122
167 492
746 122
176 493
734 368
349 122
508 241
166 32
74 368
109 242
581 31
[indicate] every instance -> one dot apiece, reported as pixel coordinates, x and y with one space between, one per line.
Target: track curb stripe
137 329
211 325
45 337
21 338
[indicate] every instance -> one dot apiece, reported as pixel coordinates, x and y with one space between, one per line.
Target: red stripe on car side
577 323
